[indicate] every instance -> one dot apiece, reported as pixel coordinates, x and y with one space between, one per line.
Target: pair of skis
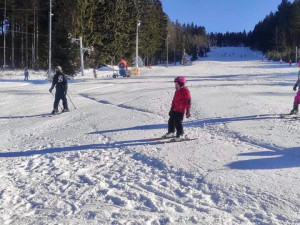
55 114
171 139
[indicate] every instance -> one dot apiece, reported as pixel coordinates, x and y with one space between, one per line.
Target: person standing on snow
26 73
61 84
124 62
297 97
181 105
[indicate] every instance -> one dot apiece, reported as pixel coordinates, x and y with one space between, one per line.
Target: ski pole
58 103
71 101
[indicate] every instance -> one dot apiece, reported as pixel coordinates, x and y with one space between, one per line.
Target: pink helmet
180 80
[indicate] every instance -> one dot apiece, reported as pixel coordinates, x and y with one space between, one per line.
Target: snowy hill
98 164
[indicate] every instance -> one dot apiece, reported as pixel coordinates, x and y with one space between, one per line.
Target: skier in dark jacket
181 105
61 84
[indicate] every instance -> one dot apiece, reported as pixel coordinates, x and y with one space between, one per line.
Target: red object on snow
182 100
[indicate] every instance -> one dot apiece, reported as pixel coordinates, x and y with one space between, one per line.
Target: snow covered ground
98 164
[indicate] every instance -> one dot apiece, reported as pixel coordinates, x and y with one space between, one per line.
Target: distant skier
297 97
61 84
26 73
290 63
181 105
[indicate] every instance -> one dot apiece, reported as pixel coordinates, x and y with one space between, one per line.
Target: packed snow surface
98 164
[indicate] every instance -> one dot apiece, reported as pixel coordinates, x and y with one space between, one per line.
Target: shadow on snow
195 123
120 144
278 159
275 158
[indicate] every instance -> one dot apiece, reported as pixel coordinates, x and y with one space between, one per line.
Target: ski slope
98 165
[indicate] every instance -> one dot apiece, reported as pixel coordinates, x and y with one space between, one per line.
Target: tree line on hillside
186 38
109 27
232 39
279 33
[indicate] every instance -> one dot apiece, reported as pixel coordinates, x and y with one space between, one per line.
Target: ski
51 115
160 138
286 116
173 141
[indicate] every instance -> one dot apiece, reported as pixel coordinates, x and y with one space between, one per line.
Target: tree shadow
195 123
22 117
145 127
119 144
273 159
45 81
230 119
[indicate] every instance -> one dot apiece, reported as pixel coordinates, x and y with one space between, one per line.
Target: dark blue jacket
60 82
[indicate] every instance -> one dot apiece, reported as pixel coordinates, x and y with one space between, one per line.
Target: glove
188 113
50 90
171 112
295 87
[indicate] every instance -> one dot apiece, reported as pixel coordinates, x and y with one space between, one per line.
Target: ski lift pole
81 56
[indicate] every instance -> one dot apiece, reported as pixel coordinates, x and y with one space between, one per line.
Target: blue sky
220 15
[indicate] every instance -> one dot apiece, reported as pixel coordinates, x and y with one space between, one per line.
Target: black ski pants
60 95
175 121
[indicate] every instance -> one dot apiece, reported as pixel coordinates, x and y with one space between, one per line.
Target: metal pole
81 56
137 44
50 38
167 65
71 101
167 53
4 44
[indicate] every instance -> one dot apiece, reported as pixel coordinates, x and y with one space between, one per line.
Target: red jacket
182 100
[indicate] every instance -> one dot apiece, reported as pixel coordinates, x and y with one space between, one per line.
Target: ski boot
54 111
65 110
294 110
178 138
168 135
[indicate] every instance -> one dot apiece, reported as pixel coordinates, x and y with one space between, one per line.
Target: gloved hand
188 113
50 90
295 87
171 112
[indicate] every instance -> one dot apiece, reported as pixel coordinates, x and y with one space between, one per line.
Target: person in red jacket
181 105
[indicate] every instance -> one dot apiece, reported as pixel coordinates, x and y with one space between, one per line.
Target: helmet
59 68
180 80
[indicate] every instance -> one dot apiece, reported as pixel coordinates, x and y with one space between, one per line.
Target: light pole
4 43
50 38
81 56
82 50
137 44
167 65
